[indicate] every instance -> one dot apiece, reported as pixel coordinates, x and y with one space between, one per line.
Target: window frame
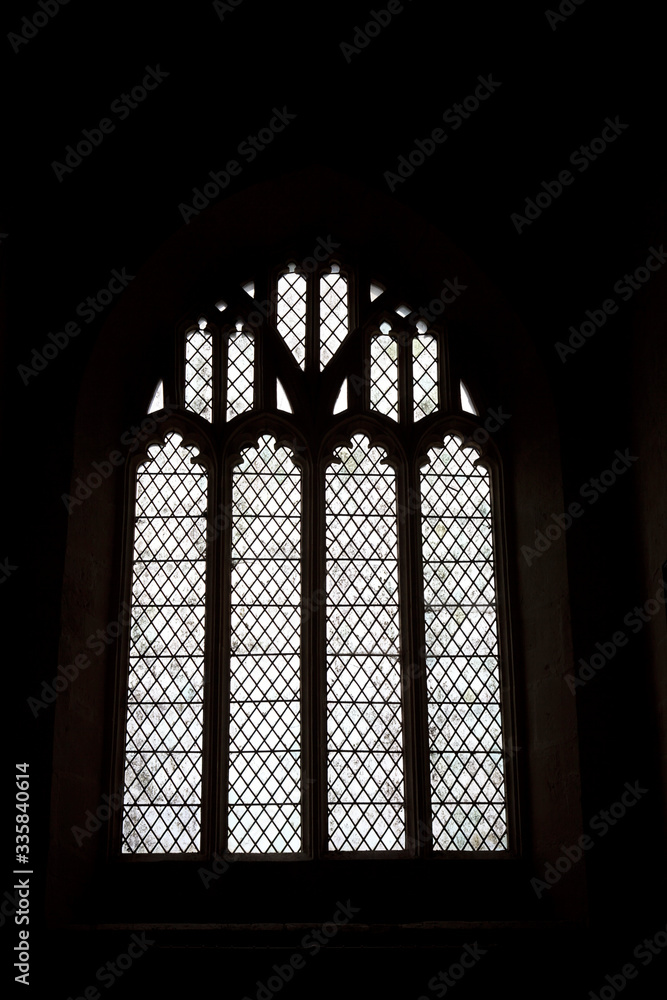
406 442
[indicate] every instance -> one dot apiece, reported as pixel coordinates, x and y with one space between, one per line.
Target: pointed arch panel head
164 721
364 696
265 712
468 805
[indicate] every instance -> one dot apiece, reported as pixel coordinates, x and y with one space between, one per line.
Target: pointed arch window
315 666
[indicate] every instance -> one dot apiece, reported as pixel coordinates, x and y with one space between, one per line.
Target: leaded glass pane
163 744
333 315
199 373
291 313
384 375
424 375
364 711
462 658
240 373
265 713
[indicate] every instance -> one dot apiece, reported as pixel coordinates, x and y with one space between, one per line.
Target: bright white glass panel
424 375
333 315
240 373
364 710
462 656
384 375
291 313
265 713
199 373
163 743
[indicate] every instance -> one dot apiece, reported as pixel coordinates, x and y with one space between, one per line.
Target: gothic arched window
316 654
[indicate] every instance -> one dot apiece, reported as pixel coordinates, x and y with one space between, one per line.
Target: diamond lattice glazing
333 315
291 313
463 679
199 373
424 375
163 743
364 711
240 373
265 713
384 375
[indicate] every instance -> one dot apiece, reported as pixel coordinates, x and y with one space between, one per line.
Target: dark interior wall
511 375
558 84
649 398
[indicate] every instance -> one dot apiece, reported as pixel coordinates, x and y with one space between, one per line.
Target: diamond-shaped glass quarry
163 743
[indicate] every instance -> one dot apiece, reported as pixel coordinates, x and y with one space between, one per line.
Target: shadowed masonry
580 158
6 569
454 116
249 148
443 981
132 439
108 973
87 310
379 19
225 8
30 26
591 491
121 106
313 942
601 824
565 10
635 620
97 641
646 951
626 288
